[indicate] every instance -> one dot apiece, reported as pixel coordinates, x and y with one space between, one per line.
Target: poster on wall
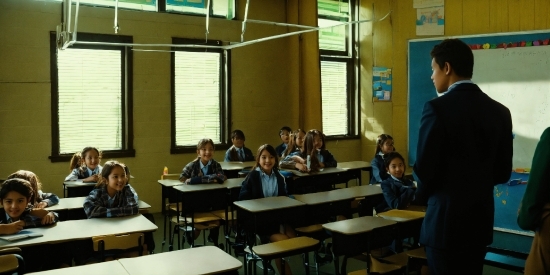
430 21
417 4
381 84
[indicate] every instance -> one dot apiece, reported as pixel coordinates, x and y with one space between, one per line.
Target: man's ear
447 68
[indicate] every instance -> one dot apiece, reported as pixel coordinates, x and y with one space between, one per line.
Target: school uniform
379 173
398 194
281 149
98 204
238 154
82 173
258 185
30 220
327 158
195 170
49 198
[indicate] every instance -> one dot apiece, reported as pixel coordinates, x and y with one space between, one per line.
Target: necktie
241 155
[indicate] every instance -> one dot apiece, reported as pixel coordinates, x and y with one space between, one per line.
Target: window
199 96
338 70
91 97
146 5
218 8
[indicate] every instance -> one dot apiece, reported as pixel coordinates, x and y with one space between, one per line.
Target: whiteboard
517 75
519 78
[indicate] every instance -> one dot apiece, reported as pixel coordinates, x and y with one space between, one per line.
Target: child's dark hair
83 155
18 185
457 53
271 151
32 178
322 136
106 171
127 171
309 149
76 161
203 142
380 141
285 128
391 156
237 134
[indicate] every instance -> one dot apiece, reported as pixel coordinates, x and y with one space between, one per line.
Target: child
314 148
203 169
284 133
296 142
265 181
17 214
238 152
384 145
326 159
89 170
112 197
38 199
398 191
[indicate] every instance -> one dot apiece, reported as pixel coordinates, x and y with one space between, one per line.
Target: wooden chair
11 261
170 207
281 249
317 232
111 245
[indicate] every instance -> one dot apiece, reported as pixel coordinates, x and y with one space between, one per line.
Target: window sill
341 137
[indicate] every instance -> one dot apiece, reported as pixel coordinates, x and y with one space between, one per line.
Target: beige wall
266 76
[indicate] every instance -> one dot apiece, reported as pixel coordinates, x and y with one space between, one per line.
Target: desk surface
200 260
402 215
233 183
266 204
339 194
357 225
84 229
329 170
229 183
170 183
77 183
236 165
111 268
351 165
78 202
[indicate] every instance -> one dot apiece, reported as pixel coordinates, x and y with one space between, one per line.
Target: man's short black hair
457 53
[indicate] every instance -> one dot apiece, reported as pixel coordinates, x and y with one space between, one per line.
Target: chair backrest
11 263
132 241
170 177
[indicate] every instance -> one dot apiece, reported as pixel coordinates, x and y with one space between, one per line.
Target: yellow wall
385 44
274 83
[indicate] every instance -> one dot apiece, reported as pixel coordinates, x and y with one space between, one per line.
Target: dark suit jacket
464 149
252 186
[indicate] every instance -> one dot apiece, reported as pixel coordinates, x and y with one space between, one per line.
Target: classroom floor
296 261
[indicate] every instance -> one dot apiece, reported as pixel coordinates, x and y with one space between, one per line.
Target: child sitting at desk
112 197
38 199
398 191
384 145
296 142
284 134
204 169
238 152
314 148
85 165
265 181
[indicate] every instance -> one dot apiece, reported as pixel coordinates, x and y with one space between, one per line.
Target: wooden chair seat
310 229
284 248
418 253
378 267
221 214
8 263
124 242
202 217
173 206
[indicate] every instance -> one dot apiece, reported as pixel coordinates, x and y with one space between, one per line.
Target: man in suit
464 149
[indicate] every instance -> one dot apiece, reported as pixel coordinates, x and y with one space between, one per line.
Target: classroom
269 84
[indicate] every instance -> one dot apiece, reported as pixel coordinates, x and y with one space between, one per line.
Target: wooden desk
355 236
303 183
111 268
409 224
200 260
77 188
354 169
236 165
267 204
73 208
84 229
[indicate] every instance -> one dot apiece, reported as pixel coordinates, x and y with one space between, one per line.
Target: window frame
127 104
351 57
224 97
161 5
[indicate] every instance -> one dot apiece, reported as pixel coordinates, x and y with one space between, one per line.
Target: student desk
409 224
77 188
231 169
84 229
73 208
304 183
111 268
200 260
269 209
168 195
354 169
355 236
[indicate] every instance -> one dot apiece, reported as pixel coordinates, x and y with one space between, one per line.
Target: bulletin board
512 68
